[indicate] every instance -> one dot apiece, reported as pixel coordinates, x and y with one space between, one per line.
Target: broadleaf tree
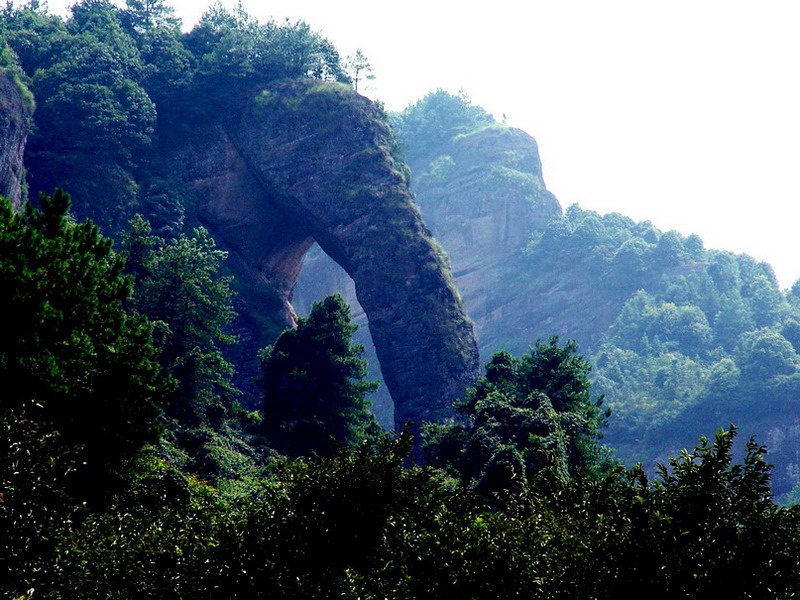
529 416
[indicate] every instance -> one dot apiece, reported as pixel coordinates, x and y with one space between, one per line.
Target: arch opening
277 178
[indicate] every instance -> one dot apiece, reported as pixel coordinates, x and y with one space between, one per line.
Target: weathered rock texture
15 113
482 196
311 162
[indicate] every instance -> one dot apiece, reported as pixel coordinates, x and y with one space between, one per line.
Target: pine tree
179 287
74 365
314 388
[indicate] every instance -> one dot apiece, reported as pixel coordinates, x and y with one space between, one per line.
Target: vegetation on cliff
681 339
695 338
114 86
129 469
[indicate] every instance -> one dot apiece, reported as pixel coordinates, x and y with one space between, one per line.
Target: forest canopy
129 467
114 85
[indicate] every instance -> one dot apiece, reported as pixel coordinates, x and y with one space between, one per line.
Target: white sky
682 112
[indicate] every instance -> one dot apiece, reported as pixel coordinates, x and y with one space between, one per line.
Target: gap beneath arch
321 276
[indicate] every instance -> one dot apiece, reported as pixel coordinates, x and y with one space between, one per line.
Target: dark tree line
128 468
523 501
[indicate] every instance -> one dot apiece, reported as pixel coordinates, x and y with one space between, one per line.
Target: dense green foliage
529 417
94 119
700 337
180 288
704 527
433 120
234 53
114 86
82 389
362 524
67 343
314 388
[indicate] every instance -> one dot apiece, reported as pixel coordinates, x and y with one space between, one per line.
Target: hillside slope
683 340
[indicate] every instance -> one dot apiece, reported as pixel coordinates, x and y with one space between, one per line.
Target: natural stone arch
312 161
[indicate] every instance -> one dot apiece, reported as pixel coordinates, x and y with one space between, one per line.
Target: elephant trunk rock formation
312 161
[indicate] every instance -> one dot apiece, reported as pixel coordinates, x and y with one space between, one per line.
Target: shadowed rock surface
482 195
15 116
275 179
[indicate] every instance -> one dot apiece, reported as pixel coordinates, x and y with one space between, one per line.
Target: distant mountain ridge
673 330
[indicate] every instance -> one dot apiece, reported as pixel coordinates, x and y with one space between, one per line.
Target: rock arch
312 161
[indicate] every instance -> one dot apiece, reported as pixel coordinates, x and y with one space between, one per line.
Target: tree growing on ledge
314 388
358 68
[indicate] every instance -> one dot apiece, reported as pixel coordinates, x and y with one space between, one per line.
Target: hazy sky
682 112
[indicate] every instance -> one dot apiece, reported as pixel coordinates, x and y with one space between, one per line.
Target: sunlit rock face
310 162
483 197
15 116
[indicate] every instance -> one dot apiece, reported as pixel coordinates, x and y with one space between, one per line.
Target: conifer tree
179 287
68 351
313 382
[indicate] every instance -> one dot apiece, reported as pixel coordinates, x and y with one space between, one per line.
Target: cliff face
311 162
15 116
482 195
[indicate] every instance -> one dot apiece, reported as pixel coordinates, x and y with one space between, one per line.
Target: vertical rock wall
15 116
311 161
482 195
